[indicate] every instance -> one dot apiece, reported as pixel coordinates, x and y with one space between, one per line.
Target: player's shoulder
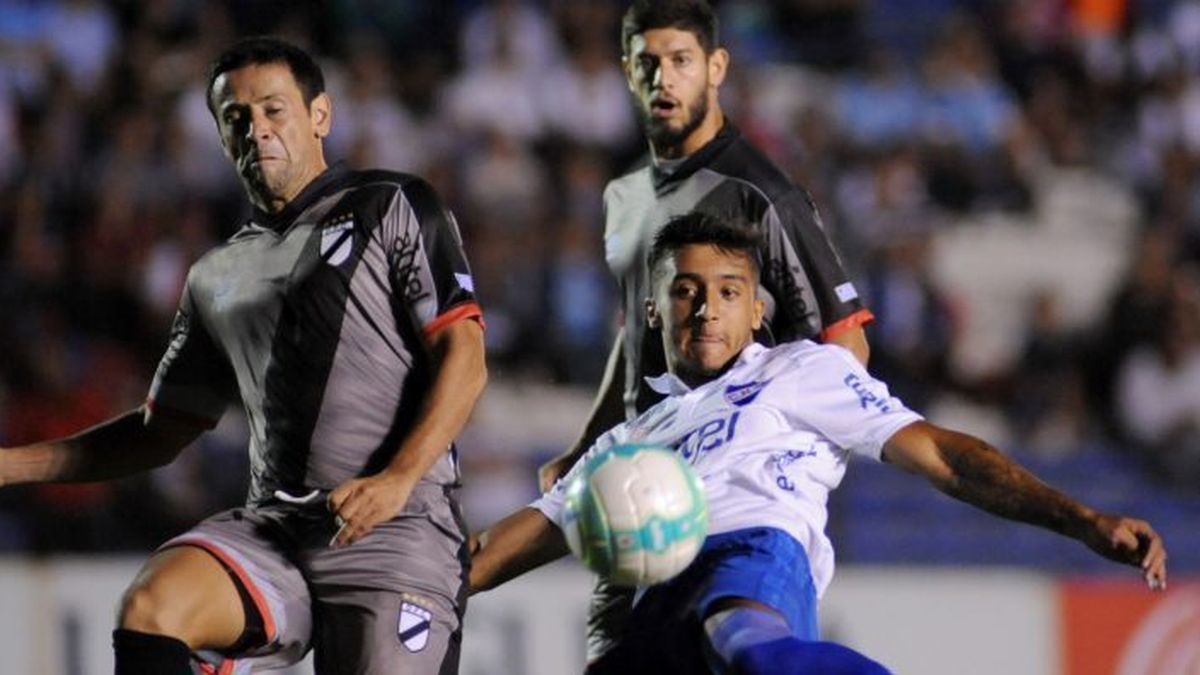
741 160
388 189
388 180
634 177
808 355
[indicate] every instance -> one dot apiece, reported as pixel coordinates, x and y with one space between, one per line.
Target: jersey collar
311 192
668 384
697 160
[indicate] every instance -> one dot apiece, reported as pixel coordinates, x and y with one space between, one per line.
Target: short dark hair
698 227
694 16
265 49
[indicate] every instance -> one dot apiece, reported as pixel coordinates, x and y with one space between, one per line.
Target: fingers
351 514
1144 548
1154 558
359 505
548 474
545 479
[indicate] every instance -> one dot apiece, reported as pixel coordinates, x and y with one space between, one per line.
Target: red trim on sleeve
856 320
260 603
469 310
192 418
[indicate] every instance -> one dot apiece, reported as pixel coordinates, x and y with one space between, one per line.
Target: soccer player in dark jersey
700 162
341 316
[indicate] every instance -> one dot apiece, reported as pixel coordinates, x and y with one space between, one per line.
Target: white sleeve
835 396
552 503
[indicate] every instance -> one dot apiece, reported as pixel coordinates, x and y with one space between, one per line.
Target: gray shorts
391 602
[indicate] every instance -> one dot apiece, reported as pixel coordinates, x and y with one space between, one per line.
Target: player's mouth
661 107
707 341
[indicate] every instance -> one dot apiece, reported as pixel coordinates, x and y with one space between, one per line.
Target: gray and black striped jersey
807 292
317 319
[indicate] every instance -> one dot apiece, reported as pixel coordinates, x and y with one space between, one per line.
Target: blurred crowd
1010 182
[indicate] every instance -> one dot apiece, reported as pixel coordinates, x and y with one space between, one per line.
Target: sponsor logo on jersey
866 397
709 436
413 629
782 461
741 394
337 241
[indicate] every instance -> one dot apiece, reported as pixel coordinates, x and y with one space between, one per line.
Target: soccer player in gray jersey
342 317
699 162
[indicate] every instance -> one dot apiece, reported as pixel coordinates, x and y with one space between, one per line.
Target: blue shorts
665 633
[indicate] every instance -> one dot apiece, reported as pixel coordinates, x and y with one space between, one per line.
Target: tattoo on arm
983 477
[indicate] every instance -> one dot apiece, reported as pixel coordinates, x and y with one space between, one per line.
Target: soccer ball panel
636 515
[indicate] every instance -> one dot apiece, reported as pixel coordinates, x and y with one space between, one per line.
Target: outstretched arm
969 469
521 542
608 410
126 444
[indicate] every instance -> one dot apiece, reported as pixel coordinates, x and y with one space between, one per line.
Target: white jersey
770 438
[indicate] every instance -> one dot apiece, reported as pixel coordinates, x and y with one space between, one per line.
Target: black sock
146 654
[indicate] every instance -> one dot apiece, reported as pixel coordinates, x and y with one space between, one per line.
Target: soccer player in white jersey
770 431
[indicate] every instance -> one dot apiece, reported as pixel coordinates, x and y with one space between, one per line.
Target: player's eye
273 110
731 292
683 291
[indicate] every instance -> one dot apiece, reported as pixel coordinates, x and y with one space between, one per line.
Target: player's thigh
186 593
273 594
763 567
377 632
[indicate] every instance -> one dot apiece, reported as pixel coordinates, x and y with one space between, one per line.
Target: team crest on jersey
413 629
741 394
337 241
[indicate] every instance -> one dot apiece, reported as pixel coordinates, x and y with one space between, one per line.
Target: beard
667 140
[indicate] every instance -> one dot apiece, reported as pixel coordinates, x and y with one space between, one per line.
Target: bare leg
187 594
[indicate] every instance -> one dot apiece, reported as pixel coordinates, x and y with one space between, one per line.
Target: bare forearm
118 447
459 381
608 410
982 476
521 542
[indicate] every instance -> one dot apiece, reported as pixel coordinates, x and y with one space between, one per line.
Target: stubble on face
667 139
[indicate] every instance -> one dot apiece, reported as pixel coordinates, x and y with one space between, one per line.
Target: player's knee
144 608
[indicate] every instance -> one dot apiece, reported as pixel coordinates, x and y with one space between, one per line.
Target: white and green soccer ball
636 514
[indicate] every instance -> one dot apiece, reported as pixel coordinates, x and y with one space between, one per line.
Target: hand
551 471
1133 542
360 504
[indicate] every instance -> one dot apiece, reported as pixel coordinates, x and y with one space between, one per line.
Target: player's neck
695 377
702 136
275 202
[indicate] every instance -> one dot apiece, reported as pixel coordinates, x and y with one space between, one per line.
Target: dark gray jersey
317 319
807 292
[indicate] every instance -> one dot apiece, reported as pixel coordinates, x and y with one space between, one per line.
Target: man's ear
653 317
760 308
718 66
321 110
